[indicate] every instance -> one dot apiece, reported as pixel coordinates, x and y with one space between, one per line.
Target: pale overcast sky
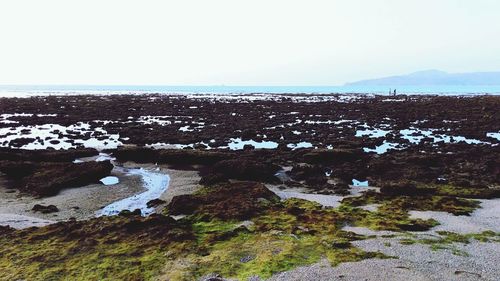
231 42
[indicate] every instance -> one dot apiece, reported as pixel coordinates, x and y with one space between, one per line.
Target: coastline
269 189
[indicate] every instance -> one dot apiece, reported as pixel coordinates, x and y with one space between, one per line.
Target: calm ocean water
20 91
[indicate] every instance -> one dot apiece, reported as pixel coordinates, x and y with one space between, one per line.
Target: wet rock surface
155 203
172 157
45 209
150 119
241 200
425 153
341 135
48 178
45 155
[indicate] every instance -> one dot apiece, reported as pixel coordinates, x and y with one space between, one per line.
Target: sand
417 261
20 221
80 203
413 262
485 218
324 200
181 182
84 202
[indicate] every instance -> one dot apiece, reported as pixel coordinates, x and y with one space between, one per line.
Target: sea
43 90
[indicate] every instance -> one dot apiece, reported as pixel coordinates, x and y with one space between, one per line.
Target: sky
233 42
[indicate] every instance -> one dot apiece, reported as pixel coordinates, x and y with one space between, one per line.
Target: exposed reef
48 178
236 236
378 158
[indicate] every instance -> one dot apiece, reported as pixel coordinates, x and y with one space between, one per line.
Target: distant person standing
394 92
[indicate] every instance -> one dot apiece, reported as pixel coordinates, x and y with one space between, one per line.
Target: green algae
446 240
402 203
390 215
286 235
447 237
466 192
58 260
280 237
290 234
115 248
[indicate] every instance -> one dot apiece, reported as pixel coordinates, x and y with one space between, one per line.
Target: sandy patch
325 200
485 218
415 262
20 221
80 202
84 202
368 232
181 182
370 207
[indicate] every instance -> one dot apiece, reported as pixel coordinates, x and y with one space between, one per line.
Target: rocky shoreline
278 188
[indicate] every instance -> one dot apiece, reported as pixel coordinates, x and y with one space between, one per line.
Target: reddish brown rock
48 178
239 200
45 209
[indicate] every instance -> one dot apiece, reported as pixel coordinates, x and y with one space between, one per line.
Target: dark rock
312 175
248 135
199 146
154 203
211 179
247 258
128 213
247 170
212 277
184 204
341 188
417 225
45 209
46 179
20 142
239 200
248 147
341 244
293 210
45 155
4 229
169 156
405 188
333 156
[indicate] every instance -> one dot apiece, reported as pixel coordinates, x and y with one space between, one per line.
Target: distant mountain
434 77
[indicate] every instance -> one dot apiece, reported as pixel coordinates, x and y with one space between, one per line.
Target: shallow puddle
155 182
